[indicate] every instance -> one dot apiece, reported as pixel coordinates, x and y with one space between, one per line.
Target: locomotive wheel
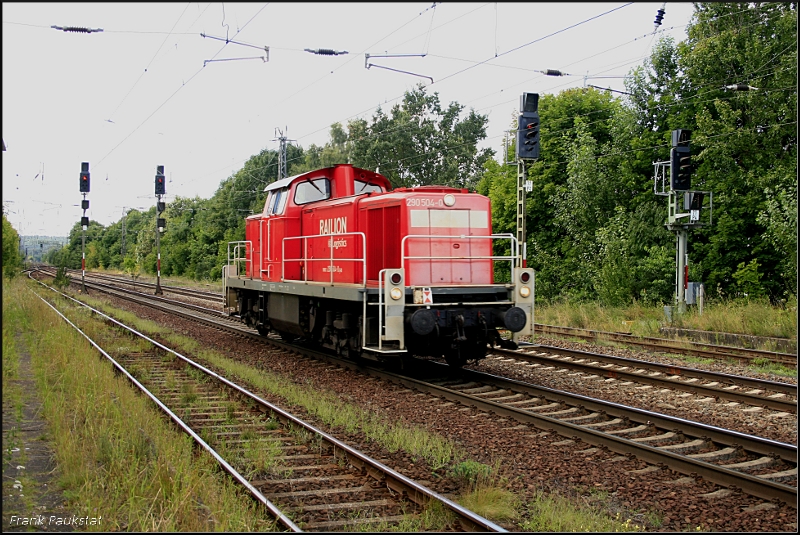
287 337
455 359
464 353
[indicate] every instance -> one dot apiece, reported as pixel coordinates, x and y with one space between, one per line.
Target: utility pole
122 238
282 173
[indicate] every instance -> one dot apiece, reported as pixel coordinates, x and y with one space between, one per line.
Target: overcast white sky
138 95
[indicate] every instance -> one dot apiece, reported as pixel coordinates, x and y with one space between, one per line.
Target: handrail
513 258
330 237
269 251
380 309
236 259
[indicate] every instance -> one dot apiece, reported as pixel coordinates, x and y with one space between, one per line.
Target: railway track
735 388
687 347
757 466
308 480
700 349
755 392
139 285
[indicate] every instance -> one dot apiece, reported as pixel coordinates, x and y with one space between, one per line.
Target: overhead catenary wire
148 64
512 50
175 92
712 87
489 59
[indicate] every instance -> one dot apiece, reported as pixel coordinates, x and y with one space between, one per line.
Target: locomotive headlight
449 199
396 293
524 291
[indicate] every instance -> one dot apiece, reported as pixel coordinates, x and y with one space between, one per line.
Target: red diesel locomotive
340 258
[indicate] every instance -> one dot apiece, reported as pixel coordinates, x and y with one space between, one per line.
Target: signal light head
396 293
160 186
396 278
528 135
525 276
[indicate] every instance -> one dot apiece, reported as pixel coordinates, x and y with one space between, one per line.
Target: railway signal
84 187
680 170
85 177
528 127
161 223
527 149
161 187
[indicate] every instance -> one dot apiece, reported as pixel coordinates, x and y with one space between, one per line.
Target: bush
62 280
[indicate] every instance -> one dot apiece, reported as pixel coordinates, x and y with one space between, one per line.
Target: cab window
276 201
366 187
312 191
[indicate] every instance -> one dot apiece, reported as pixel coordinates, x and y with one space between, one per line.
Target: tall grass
558 514
754 317
118 457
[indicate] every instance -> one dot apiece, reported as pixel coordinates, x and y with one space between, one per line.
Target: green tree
748 139
12 260
421 143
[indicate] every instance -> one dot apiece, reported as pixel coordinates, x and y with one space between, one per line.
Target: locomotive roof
285 182
281 183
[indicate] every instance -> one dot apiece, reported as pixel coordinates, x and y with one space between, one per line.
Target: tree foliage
12 260
421 143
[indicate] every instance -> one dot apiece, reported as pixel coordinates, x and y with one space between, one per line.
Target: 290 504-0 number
416 201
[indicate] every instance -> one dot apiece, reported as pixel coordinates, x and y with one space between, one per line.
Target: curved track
307 479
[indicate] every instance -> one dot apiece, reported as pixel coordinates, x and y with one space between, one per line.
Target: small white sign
529 186
694 215
427 296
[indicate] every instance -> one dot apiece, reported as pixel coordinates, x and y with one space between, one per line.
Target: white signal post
84 188
527 149
83 251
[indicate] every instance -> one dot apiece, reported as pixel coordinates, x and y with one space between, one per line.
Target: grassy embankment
753 317
750 317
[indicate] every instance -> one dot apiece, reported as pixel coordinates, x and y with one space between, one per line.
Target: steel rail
191 292
274 511
719 392
667 345
469 520
753 485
